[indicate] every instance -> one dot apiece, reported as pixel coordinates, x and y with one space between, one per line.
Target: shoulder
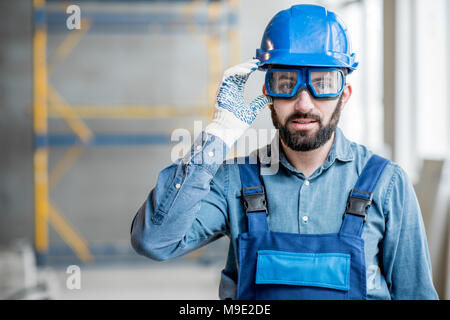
228 175
361 156
393 182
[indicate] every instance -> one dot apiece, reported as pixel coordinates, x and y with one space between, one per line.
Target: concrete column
16 136
389 73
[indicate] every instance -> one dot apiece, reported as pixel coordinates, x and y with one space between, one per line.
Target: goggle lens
325 83
283 82
322 83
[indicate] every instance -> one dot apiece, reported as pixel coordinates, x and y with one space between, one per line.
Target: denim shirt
197 200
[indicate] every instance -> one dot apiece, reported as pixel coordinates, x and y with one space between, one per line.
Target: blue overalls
277 265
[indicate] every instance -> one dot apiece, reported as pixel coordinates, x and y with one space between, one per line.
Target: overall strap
254 198
360 197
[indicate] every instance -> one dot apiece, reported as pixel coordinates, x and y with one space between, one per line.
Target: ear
264 91
347 93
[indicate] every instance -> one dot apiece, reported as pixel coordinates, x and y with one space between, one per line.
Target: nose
303 102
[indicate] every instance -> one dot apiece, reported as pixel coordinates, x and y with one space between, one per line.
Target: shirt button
305 219
307 182
199 147
178 186
211 154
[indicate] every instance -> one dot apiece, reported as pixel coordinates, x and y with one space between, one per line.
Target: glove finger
242 69
260 102
250 65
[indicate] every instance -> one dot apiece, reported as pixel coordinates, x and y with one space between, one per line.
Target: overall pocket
294 275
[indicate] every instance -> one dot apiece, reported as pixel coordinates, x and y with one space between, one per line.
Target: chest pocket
326 270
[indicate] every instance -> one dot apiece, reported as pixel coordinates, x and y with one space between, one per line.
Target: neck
307 162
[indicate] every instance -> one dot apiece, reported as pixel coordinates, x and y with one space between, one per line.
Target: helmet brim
329 60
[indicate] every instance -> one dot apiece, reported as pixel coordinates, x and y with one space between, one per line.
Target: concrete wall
16 140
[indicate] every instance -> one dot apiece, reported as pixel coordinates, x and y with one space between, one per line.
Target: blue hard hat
306 35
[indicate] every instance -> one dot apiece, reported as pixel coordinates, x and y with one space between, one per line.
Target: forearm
166 225
406 257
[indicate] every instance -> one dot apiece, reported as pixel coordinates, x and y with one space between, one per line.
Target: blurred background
88 115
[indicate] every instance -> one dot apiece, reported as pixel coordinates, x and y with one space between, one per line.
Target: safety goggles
322 83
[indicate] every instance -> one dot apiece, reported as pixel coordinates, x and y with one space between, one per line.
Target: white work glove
232 116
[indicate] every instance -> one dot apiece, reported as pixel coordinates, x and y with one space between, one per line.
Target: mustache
303 115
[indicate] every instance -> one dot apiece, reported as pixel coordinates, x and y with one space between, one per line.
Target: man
334 222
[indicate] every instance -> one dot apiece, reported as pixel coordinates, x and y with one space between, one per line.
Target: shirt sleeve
187 208
406 260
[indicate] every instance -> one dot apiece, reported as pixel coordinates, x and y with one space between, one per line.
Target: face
306 123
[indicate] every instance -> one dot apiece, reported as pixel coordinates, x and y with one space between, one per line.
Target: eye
322 84
286 86
317 83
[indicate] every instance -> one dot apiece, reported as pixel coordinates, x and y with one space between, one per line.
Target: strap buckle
358 205
254 202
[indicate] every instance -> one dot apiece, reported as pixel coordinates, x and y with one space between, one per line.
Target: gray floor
161 281
20 278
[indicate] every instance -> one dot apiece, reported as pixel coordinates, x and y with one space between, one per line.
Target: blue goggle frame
303 80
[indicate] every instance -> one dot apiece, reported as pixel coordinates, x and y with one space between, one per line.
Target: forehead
291 73
280 75
322 74
280 66
285 67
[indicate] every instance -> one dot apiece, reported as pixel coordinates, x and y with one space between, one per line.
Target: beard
301 140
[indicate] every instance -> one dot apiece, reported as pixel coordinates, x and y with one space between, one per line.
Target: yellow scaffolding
47 102
40 155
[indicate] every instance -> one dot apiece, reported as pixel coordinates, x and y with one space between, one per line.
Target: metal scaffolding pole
40 156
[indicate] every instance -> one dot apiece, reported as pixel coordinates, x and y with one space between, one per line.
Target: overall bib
289 266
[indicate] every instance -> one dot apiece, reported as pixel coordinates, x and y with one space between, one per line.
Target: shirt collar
341 150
